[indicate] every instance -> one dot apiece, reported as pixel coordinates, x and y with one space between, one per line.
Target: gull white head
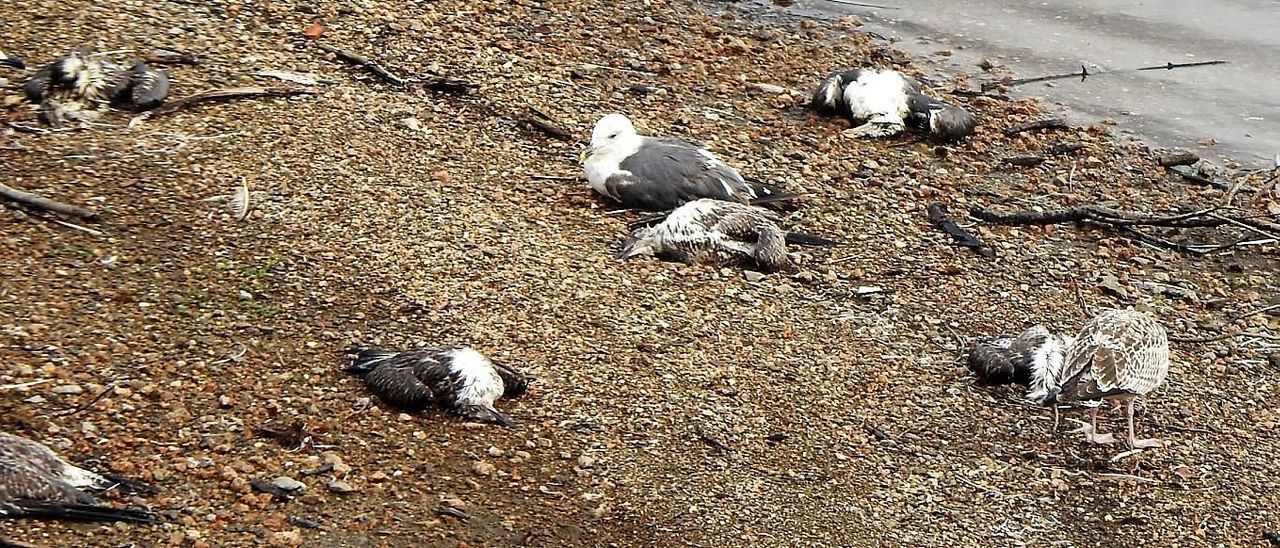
612 133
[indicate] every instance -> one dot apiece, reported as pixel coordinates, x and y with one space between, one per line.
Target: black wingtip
75 512
800 238
13 62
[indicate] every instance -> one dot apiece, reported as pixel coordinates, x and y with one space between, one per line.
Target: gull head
641 242
613 132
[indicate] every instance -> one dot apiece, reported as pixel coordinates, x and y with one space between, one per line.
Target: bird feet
1146 444
1091 435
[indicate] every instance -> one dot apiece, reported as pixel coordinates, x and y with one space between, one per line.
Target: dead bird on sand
885 102
36 483
80 85
717 232
457 379
661 173
1021 359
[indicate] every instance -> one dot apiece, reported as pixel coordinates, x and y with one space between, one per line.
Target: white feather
481 384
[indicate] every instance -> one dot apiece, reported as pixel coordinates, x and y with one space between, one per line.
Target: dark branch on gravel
541 121
1126 223
45 204
1047 123
938 216
1085 74
365 62
223 94
1192 177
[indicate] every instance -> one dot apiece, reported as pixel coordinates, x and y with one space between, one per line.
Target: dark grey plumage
37 483
661 173
457 379
147 88
828 99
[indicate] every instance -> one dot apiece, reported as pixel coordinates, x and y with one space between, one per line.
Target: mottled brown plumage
35 482
710 231
1119 355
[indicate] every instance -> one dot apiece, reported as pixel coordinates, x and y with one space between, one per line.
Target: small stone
285 538
494 452
286 483
340 486
68 389
586 462
752 276
245 295
454 502
483 468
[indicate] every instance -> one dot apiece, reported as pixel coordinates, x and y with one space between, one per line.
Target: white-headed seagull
661 173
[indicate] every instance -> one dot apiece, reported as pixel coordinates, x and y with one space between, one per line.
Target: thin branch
862 5
45 204
939 218
365 62
228 93
1048 123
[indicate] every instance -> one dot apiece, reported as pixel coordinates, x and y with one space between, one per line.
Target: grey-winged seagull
661 173
884 102
715 232
1118 356
36 483
460 380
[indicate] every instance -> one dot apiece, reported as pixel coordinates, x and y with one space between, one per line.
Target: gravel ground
675 405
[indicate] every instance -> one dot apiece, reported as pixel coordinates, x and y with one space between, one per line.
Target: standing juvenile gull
1020 359
661 173
716 232
36 483
458 379
884 102
1119 355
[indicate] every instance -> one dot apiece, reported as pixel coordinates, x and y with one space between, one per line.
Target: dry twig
365 62
45 204
228 93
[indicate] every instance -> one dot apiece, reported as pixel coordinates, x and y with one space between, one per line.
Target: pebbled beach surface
674 404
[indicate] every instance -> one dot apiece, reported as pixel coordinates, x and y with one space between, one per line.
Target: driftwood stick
228 93
1047 123
365 62
45 204
938 216
1085 74
1192 177
543 122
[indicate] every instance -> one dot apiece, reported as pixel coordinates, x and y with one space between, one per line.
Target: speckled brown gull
457 379
36 483
716 232
661 173
885 102
1119 355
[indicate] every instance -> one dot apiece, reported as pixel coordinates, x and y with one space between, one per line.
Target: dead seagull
458 379
1119 356
1021 359
716 232
78 86
661 173
884 102
36 483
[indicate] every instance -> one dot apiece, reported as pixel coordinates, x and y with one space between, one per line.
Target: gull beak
586 153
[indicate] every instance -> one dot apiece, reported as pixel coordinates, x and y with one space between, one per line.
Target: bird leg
1137 443
1090 431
